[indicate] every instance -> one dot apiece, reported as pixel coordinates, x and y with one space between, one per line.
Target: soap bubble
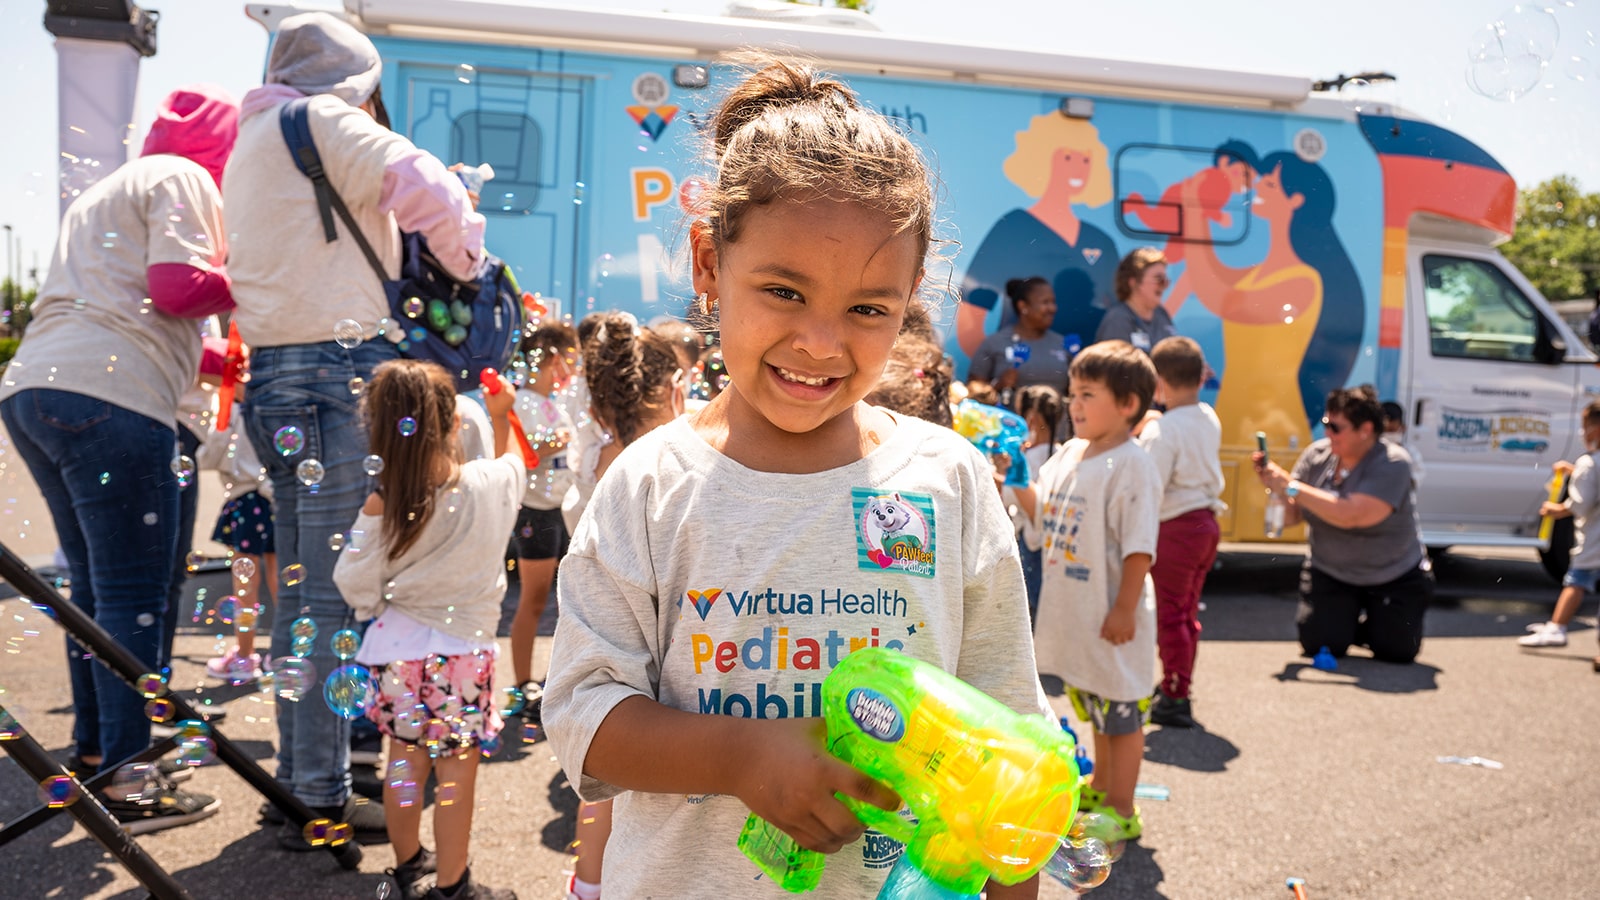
289 440
465 73
10 728
59 791
403 783
227 608
304 627
317 831
301 647
195 746
510 700
348 333
407 426
293 574
372 465
1101 828
194 560
413 307
345 643
183 467
132 780
336 541
1081 863
349 691
357 385
160 710
241 670
151 685
294 676
310 472
1506 58
244 568
1505 78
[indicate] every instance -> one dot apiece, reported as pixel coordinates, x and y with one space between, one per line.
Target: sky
1427 44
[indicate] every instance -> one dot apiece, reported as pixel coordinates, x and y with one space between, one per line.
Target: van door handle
1417 416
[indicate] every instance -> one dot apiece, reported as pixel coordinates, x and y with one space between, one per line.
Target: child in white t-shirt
1097 500
1185 445
428 565
541 534
730 559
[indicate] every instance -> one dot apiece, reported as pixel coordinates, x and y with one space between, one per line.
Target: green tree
1557 240
16 308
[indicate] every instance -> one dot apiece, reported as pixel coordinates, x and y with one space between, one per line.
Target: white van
1357 247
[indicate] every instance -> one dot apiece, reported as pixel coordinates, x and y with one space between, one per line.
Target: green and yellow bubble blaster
989 793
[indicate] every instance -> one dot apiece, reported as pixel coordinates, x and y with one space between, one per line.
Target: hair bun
777 83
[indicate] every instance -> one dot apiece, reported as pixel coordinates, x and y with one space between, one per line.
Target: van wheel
1558 558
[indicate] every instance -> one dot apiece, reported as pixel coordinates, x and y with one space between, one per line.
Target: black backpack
464 326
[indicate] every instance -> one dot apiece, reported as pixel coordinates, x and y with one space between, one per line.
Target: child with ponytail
424 558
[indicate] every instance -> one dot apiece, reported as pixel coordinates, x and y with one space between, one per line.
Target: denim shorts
1581 578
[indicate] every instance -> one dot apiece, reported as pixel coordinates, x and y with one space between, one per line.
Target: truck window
1149 179
1475 312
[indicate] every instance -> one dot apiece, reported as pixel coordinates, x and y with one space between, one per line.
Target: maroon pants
1185 551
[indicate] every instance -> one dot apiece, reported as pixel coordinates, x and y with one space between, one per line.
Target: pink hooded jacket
198 122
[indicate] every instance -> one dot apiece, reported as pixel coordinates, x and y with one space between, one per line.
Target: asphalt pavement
1333 777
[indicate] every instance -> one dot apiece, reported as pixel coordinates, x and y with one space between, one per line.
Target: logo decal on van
1511 430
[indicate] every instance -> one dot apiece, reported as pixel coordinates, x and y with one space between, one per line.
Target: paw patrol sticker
894 531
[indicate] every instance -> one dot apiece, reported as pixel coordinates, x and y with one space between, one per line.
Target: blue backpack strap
296 125
295 121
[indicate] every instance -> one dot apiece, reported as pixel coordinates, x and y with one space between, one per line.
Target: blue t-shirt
1021 246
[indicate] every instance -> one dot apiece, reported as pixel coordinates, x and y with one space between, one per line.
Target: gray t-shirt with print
1045 361
1378 553
1121 323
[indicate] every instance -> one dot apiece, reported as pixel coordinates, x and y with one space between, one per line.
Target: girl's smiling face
810 300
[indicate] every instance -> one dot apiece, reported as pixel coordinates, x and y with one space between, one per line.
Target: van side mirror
1548 346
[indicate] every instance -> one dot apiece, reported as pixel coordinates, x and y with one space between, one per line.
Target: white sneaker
1547 635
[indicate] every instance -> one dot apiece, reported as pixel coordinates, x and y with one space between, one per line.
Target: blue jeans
307 386
188 510
1032 576
105 473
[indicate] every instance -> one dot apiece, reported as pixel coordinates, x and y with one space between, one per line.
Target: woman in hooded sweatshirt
293 287
91 397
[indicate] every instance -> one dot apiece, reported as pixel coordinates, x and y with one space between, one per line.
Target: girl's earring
706 303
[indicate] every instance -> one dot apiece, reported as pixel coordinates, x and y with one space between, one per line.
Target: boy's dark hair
1591 412
1238 151
1044 400
1018 290
983 392
1122 368
555 336
916 381
1179 361
1358 404
1392 412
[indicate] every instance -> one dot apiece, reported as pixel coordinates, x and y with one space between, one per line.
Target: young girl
428 565
635 381
245 526
732 558
1040 406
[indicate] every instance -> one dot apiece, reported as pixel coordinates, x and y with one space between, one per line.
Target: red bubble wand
494 384
232 366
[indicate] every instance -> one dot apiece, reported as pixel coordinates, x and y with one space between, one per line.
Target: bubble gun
491 381
995 432
989 793
1558 483
232 370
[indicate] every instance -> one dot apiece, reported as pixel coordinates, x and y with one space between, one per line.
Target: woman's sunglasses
1333 427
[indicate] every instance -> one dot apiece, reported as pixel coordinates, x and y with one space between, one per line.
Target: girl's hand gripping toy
493 384
991 793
